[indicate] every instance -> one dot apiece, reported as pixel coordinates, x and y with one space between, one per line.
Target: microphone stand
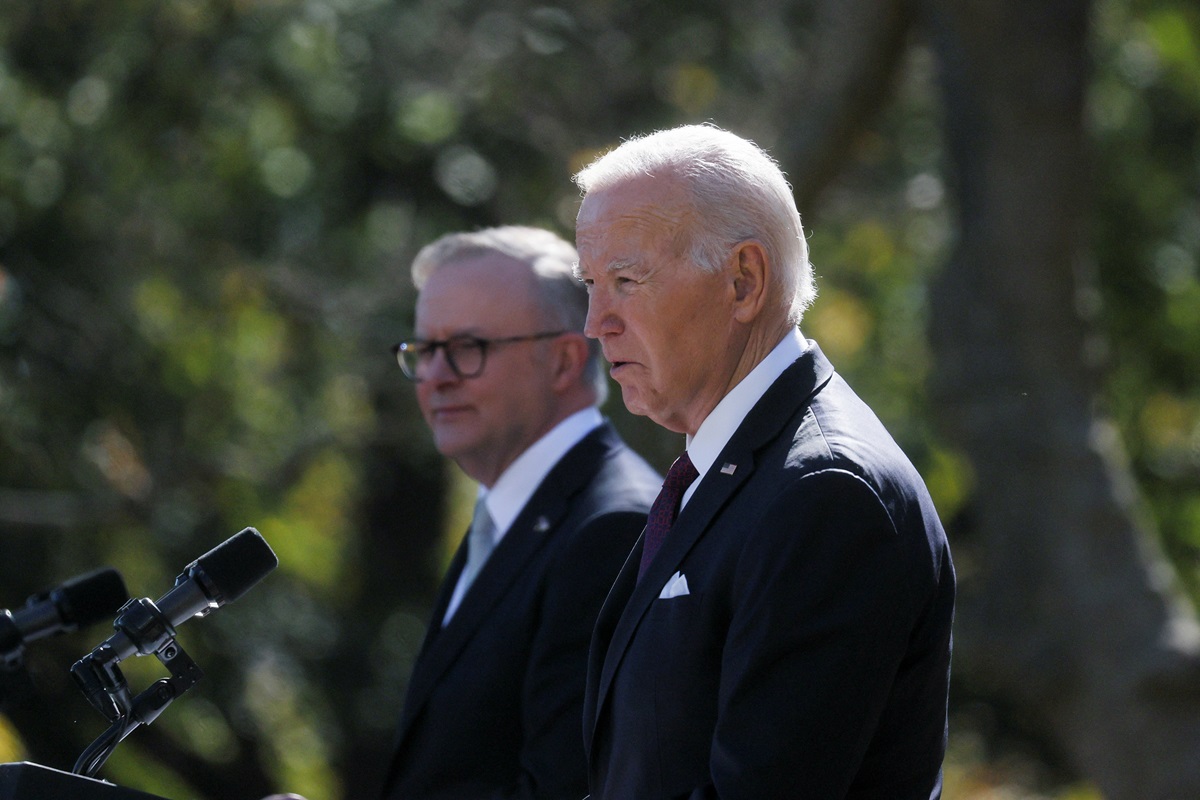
105 687
12 646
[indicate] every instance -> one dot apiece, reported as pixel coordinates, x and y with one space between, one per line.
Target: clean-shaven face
484 423
665 325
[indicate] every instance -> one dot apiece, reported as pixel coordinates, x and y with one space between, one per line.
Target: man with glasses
510 386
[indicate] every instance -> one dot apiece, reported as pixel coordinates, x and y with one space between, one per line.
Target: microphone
220 576
77 603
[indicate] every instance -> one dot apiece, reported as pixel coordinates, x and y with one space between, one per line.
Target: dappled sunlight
11 746
207 213
299 752
842 324
972 773
312 533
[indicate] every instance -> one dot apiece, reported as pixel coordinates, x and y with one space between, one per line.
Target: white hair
737 190
562 301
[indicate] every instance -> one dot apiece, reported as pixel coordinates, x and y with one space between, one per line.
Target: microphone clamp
104 685
146 627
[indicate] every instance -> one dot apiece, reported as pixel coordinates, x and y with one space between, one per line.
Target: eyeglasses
466 355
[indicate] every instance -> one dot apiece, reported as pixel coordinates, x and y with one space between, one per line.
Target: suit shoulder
625 481
839 433
610 513
838 429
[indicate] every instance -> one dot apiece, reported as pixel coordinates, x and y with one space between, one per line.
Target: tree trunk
857 47
1066 604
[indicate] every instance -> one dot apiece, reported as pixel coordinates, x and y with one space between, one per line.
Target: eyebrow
468 333
612 266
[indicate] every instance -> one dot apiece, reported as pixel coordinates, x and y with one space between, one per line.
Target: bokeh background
208 207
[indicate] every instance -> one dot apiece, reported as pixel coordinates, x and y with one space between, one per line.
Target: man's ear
751 272
570 360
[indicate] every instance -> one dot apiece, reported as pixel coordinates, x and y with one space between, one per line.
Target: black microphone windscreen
238 563
91 598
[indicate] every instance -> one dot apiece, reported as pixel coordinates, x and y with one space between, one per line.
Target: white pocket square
675 587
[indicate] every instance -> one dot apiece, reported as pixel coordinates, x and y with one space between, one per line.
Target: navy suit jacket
495 698
810 656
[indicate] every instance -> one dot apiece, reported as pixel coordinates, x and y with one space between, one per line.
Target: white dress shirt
517 484
718 427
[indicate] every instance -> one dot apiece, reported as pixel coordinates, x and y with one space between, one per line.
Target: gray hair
738 191
562 300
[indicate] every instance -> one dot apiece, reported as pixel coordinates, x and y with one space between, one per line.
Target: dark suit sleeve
824 599
553 762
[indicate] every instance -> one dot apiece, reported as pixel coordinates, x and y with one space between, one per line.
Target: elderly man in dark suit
783 631
510 387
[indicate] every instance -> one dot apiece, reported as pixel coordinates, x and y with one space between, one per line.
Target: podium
26 781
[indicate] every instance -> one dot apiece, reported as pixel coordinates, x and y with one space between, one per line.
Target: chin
660 416
630 398
450 443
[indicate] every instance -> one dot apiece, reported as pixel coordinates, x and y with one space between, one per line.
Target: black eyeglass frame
427 349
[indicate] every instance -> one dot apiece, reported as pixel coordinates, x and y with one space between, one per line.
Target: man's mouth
447 411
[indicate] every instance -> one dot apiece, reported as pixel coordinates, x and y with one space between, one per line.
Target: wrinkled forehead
636 214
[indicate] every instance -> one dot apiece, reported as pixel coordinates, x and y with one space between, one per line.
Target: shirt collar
718 427
517 484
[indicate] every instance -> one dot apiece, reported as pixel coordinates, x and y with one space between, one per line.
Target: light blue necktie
481 539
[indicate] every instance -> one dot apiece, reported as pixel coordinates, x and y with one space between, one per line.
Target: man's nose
601 317
436 368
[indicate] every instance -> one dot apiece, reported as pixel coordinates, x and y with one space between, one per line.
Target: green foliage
1145 121
207 208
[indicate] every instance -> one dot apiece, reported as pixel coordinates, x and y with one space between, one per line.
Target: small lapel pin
542 525
728 468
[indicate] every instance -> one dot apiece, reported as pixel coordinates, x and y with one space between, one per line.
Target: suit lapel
712 493
792 391
445 592
532 529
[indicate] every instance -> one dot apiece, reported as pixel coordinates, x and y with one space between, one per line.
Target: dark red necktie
666 508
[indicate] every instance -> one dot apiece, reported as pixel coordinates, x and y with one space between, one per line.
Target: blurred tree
1069 612
206 213
1054 538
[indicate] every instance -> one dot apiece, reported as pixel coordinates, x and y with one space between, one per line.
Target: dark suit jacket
495 699
811 657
